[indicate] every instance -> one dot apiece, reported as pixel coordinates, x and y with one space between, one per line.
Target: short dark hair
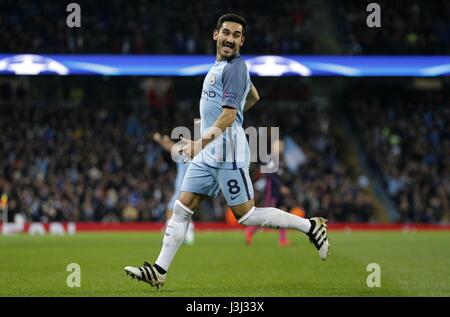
232 17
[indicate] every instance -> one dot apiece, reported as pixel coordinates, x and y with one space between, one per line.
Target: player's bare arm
225 120
252 98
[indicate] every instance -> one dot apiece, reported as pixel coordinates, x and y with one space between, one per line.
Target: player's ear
215 34
242 41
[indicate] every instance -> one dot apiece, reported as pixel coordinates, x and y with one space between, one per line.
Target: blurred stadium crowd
69 156
83 150
71 160
324 185
412 27
168 27
180 27
407 140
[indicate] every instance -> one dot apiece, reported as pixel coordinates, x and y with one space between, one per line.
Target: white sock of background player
190 234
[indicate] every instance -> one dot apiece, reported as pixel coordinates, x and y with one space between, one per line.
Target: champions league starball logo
276 66
29 64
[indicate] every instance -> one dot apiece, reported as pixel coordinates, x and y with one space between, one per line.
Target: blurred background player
274 192
166 143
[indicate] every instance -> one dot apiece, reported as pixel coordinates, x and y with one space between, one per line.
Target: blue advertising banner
269 65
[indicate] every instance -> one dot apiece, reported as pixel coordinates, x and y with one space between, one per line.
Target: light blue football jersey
226 85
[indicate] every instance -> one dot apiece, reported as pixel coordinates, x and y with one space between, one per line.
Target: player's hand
157 137
191 148
166 138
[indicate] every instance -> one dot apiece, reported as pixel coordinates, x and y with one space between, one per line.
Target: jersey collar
227 60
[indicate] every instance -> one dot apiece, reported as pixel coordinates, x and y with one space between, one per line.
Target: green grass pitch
220 264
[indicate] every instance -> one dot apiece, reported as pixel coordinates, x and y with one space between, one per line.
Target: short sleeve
234 78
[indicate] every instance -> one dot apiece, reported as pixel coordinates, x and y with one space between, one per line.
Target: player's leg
174 236
283 241
238 192
249 233
198 183
189 239
270 217
177 228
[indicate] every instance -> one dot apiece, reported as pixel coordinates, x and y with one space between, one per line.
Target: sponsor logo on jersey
208 93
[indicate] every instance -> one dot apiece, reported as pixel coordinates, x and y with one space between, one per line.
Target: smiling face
229 39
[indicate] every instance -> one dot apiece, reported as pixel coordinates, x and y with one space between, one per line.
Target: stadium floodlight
265 65
30 64
276 66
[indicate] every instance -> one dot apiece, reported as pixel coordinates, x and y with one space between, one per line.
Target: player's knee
181 212
243 217
188 199
240 211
